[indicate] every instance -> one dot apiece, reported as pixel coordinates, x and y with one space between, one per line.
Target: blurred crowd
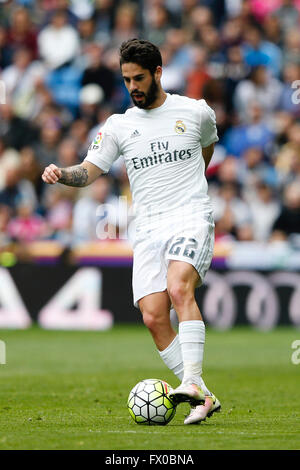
59 66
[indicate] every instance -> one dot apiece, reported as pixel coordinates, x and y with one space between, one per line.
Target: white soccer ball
149 403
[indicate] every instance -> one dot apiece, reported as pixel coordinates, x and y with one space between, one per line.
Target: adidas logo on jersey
135 134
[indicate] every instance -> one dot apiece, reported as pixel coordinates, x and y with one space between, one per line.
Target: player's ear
158 73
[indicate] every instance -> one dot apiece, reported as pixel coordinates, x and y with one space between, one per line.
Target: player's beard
149 97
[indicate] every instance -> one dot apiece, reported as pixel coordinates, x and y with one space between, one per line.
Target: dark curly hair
141 52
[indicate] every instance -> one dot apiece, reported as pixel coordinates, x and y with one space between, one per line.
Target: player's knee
180 293
152 320
149 321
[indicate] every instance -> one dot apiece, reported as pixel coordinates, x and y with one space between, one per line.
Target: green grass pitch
68 390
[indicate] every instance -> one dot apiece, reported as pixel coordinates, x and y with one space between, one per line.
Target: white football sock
192 339
172 357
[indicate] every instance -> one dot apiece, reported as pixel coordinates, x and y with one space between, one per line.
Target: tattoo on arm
74 176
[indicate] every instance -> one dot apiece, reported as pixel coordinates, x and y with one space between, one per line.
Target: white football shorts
190 240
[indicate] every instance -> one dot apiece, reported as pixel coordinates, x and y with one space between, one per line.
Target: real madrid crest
180 127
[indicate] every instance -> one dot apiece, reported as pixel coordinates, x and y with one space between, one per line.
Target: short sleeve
104 149
208 131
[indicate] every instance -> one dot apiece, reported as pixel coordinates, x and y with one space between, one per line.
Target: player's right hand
51 174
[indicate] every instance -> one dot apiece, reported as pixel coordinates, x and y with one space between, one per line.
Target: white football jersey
162 149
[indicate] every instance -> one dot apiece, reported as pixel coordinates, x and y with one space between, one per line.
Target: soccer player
167 142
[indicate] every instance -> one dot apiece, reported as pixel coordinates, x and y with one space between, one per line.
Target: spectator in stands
282 121
232 32
16 190
64 84
224 226
51 111
67 154
21 32
180 49
91 98
216 59
97 72
65 6
87 32
290 98
32 170
257 133
58 42
288 15
26 226
58 202
198 74
262 89
173 80
15 131
291 48
220 10
187 7
20 79
254 168
46 147
200 17
287 162
288 221
259 52
228 203
236 70
227 172
105 14
264 208
82 9
156 23
125 24
244 232
247 13
272 30
79 132
41 99
120 100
